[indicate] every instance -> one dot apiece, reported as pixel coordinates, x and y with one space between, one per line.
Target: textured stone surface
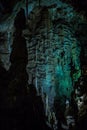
54 39
53 51
6 39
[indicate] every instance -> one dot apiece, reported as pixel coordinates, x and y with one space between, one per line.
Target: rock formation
46 49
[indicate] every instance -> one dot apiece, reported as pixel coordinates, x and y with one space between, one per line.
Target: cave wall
5 48
54 39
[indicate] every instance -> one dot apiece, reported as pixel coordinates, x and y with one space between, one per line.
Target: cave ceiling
6 7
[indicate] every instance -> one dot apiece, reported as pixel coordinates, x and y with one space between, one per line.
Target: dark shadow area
20 106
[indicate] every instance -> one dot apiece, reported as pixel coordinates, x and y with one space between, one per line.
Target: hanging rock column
53 52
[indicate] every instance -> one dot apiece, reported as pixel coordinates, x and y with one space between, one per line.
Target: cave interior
43 64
